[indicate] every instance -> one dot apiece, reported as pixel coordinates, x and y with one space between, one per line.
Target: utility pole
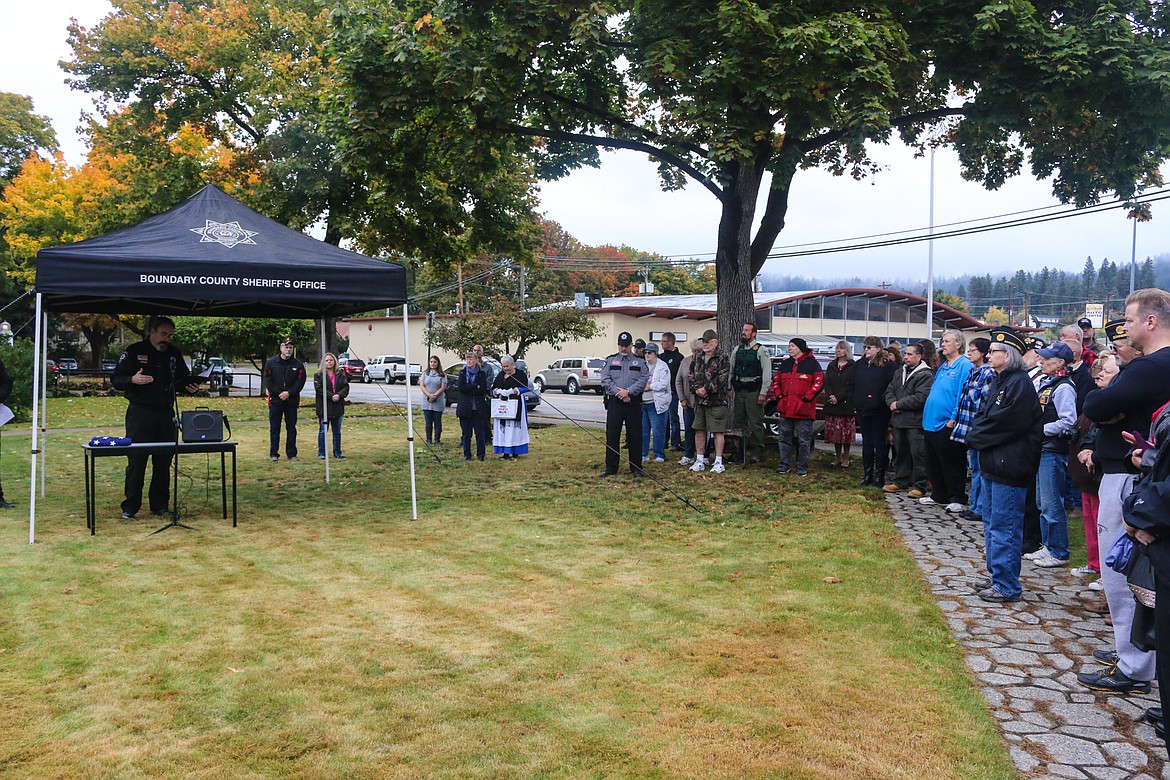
523 287
460 272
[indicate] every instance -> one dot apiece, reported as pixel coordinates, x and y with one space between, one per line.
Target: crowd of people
1008 431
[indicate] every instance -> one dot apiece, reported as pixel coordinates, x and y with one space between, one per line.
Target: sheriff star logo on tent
227 233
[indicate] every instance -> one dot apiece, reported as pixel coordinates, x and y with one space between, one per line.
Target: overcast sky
621 203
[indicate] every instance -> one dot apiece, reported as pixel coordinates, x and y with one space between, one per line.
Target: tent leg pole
44 400
409 411
324 401
38 366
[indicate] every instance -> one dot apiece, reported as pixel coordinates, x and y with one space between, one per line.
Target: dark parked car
353 368
531 400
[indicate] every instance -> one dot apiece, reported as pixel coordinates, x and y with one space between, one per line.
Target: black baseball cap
288 343
625 339
1084 322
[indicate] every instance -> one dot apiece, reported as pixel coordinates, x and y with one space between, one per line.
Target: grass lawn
536 622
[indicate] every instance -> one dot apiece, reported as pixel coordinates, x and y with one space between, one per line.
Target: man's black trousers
630 415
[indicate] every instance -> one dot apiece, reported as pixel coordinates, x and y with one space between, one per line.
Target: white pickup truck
398 371
390 369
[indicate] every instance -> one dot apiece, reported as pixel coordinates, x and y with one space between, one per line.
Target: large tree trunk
733 257
99 339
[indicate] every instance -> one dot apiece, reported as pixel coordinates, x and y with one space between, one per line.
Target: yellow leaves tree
132 172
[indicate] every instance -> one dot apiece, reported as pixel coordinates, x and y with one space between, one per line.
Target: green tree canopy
250 338
22 133
505 329
739 96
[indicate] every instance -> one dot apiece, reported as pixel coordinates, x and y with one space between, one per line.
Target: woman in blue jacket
472 388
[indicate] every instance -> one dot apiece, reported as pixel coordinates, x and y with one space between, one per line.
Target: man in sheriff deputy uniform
623 379
149 373
751 376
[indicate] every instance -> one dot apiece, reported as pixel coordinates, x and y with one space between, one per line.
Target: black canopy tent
213 256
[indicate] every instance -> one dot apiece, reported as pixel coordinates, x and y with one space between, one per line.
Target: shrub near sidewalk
535 622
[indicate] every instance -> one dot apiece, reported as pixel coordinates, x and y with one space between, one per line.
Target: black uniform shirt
167 366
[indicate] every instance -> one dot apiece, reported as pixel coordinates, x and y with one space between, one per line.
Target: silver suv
572 375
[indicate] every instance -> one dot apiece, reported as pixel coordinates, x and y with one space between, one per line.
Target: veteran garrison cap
1115 329
1035 342
1010 337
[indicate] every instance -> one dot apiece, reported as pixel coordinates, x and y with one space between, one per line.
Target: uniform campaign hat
1058 350
1010 337
1115 330
625 339
709 334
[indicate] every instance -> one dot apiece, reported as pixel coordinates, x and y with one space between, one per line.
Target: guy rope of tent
213 256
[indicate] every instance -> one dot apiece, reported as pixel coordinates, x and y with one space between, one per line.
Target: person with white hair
510 434
1006 433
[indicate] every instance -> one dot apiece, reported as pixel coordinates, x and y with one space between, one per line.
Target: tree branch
772 221
237 116
619 143
621 122
832 136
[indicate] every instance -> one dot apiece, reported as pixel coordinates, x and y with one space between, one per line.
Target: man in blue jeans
673 358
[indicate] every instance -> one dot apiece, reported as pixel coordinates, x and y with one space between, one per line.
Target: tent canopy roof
212 255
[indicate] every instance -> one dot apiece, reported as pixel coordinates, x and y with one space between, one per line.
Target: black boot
867 459
879 474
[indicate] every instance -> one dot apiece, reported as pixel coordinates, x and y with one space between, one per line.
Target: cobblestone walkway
1027 655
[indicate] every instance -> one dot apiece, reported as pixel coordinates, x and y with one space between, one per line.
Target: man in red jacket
795 387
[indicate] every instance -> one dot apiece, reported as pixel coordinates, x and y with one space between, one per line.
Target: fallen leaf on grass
832 580
66 591
234 670
734 575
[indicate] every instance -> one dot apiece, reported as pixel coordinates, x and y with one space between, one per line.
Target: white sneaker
717 468
927 501
1050 562
699 466
1043 551
685 461
1082 571
1096 585
955 507
660 460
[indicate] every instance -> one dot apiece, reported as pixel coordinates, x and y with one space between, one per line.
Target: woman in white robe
510 436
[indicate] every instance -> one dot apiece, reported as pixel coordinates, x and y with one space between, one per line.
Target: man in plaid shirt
975 389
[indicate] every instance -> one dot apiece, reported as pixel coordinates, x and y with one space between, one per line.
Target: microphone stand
174 523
